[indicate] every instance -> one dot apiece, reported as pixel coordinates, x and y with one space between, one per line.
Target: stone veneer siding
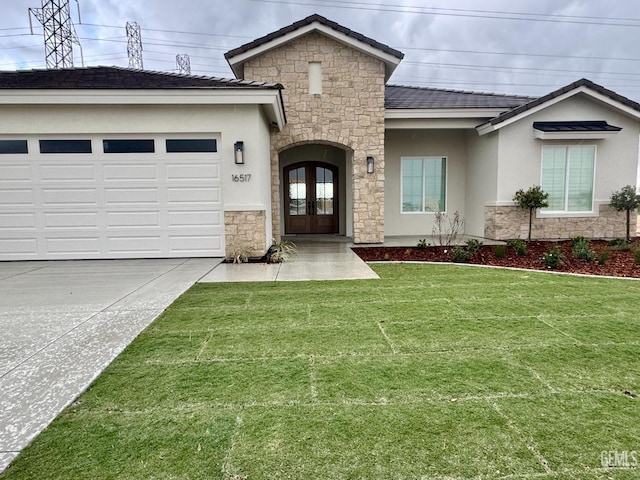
503 223
349 114
245 230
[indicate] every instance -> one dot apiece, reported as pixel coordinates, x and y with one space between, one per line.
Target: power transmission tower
183 64
134 45
59 32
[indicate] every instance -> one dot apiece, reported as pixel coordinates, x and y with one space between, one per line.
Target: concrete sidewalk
63 322
314 260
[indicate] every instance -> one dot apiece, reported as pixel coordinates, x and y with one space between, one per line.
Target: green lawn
434 371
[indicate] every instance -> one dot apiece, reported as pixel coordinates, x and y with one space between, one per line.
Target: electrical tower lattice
134 45
183 64
59 33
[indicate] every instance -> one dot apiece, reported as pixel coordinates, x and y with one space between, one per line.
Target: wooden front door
311 196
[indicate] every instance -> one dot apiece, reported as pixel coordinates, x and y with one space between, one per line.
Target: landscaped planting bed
431 372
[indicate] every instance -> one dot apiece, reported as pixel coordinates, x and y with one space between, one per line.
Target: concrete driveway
62 323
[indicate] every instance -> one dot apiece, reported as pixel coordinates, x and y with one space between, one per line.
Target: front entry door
311 197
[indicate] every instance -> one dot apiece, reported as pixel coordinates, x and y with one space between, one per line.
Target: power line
421 11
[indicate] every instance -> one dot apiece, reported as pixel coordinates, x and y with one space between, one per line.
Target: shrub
531 199
636 256
604 256
627 200
582 249
473 246
620 244
422 244
553 258
460 255
238 253
499 251
445 230
520 246
280 251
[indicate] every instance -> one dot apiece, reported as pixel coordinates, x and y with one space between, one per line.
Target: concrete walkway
314 260
62 323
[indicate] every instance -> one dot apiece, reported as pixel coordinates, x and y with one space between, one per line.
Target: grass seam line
386 337
226 465
553 327
204 345
529 444
313 380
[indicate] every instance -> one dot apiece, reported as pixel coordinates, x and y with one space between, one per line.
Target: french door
311 195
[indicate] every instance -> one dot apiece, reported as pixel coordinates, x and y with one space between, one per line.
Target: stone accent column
349 114
246 230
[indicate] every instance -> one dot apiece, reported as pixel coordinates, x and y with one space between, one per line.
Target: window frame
423 211
565 212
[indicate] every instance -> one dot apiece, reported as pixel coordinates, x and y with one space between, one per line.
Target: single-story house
108 162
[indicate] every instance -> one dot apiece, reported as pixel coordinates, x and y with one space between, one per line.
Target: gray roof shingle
118 78
307 21
403 97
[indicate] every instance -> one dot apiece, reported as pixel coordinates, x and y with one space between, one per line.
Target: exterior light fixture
371 166
238 153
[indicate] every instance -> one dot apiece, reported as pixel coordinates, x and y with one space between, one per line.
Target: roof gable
583 85
313 23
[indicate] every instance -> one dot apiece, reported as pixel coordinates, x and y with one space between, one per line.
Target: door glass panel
297 191
324 191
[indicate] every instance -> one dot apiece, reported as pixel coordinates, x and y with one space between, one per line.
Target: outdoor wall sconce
238 153
371 167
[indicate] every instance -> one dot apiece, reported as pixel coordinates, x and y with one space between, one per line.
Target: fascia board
422 113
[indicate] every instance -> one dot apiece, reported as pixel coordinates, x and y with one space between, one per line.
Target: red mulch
619 263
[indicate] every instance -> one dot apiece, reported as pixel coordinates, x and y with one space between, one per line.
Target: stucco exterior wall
349 114
521 154
422 143
228 123
482 179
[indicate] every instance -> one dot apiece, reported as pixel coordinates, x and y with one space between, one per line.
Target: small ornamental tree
626 199
531 199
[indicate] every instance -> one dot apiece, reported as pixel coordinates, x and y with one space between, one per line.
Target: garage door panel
131 196
203 195
69 196
205 244
68 172
192 171
198 218
133 219
21 197
126 172
72 246
18 248
15 173
62 220
20 220
140 244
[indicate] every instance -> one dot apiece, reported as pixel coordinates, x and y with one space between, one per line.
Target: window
128 146
424 184
315 78
13 146
567 176
192 145
65 146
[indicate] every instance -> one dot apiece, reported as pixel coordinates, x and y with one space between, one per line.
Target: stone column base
510 222
246 230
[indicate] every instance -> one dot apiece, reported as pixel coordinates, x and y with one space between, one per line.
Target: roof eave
461 112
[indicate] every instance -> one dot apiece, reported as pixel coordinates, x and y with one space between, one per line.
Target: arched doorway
311 198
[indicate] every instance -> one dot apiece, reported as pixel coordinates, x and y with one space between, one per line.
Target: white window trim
446 184
566 213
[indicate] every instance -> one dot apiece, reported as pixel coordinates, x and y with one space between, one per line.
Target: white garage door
129 201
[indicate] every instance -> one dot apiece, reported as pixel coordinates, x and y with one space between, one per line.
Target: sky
527 47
